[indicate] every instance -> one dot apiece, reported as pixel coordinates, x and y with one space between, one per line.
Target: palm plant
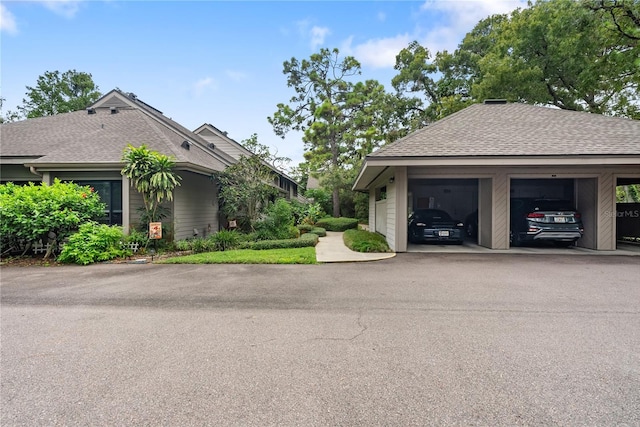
151 173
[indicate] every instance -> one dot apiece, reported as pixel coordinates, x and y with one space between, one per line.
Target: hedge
306 240
365 241
337 224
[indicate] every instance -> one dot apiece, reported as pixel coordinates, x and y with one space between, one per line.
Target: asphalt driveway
443 339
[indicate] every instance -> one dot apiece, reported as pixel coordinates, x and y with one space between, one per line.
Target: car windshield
551 205
431 215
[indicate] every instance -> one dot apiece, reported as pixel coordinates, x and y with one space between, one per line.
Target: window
110 193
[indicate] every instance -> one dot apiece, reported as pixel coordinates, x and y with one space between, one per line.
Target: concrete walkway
332 249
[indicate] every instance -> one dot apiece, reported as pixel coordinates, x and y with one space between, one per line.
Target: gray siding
17 173
196 206
223 145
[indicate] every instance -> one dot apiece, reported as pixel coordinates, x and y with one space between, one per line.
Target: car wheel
514 239
470 230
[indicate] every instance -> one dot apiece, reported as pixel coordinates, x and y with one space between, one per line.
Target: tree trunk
336 202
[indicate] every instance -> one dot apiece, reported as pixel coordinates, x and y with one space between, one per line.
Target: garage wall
485 212
606 204
391 216
500 211
586 196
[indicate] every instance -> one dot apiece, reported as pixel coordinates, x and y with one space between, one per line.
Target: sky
219 62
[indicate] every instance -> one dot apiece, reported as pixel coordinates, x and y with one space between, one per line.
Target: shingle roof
82 138
519 130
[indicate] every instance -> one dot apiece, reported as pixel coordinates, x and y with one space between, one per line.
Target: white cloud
236 76
318 35
459 18
203 85
7 21
66 8
456 19
377 53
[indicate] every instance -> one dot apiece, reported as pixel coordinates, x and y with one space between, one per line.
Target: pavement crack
363 328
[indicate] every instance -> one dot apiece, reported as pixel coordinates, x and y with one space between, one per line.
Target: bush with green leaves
33 212
337 224
365 241
92 243
304 228
319 231
278 223
306 240
225 240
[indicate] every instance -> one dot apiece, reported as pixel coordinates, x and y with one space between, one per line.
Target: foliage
305 255
305 228
278 222
571 55
319 231
57 93
628 193
225 240
139 237
40 212
307 239
321 197
151 174
92 243
341 121
365 241
247 186
337 224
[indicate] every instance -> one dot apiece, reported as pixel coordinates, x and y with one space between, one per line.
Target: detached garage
480 158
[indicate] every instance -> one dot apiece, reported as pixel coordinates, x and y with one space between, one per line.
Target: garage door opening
544 213
457 197
628 213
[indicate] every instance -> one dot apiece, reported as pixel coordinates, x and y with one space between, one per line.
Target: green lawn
248 256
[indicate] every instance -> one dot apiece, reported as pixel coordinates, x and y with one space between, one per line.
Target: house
87 147
482 156
287 186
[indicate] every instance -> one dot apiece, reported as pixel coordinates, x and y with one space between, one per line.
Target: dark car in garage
544 220
434 225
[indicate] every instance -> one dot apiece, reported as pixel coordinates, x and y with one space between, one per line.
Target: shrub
337 224
365 241
278 224
183 245
321 232
225 240
200 244
93 242
39 212
307 239
305 228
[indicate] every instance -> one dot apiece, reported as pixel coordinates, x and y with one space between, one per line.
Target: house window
110 193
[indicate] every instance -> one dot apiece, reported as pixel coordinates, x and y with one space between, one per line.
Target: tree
247 186
151 174
44 212
571 55
338 117
9 116
56 93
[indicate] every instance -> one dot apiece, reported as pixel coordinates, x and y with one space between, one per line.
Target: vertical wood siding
606 212
500 212
391 216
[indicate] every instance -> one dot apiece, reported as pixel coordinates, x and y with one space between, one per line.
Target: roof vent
495 101
91 110
186 145
212 145
114 110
